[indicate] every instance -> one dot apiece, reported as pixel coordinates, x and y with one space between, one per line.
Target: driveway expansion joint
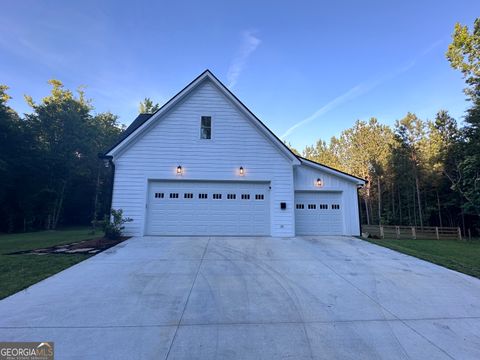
188 298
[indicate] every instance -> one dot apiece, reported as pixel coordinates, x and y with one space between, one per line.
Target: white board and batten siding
336 190
175 140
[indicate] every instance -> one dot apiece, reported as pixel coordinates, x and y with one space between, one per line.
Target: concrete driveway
250 298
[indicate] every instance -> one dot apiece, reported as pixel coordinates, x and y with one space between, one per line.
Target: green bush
113 225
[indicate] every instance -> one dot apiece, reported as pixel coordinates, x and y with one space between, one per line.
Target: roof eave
314 164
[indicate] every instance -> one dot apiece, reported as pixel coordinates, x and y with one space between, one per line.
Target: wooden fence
413 232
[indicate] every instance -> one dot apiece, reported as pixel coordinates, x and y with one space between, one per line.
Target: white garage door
318 213
208 208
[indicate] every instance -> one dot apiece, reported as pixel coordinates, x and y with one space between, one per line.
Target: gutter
108 161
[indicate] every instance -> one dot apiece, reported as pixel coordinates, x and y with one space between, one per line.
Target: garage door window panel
318 217
206 213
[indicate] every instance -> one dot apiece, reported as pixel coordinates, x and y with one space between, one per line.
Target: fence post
382 234
414 233
459 233
397 228
436 233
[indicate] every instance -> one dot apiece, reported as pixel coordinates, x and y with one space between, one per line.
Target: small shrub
113 225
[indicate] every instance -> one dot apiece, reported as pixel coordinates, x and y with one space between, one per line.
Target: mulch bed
92 246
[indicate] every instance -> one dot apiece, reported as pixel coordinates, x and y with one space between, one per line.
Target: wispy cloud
360 89
249 44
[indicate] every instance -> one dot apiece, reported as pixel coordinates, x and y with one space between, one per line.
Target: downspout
108 161
359 210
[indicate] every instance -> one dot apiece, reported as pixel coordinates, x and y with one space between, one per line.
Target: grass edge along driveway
462 256
17 272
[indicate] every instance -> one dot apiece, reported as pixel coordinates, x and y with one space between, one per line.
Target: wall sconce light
179 170
319 182
241 170
107 159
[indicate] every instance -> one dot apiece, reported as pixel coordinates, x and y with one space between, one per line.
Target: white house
204 164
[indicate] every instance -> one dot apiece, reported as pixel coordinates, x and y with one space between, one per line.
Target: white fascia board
334 172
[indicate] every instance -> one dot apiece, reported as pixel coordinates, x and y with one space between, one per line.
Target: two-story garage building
204 164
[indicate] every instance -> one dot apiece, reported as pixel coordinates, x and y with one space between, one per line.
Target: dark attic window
206 127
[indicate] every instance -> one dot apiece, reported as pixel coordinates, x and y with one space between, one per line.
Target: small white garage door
318 213
208 208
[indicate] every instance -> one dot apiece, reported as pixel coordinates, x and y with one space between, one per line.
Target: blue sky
308 69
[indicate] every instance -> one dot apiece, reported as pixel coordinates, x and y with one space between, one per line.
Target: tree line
419 172
49 167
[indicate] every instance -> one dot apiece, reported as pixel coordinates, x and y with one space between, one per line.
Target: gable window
206 127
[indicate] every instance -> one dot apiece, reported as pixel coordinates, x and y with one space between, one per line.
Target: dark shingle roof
139 121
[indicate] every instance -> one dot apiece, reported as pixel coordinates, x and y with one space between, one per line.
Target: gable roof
143 121
331 170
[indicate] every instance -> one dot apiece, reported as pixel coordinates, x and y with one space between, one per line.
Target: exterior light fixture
179 170
241 170
319 182
107 159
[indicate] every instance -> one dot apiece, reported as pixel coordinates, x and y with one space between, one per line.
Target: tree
439 157
322 153
69 138
362 150
464 55
410 133
10 128
292 149
62 127
147 106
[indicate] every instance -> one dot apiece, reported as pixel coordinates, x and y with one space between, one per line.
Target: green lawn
17 272
463 256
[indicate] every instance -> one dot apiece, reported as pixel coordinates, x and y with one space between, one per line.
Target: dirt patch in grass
90 246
